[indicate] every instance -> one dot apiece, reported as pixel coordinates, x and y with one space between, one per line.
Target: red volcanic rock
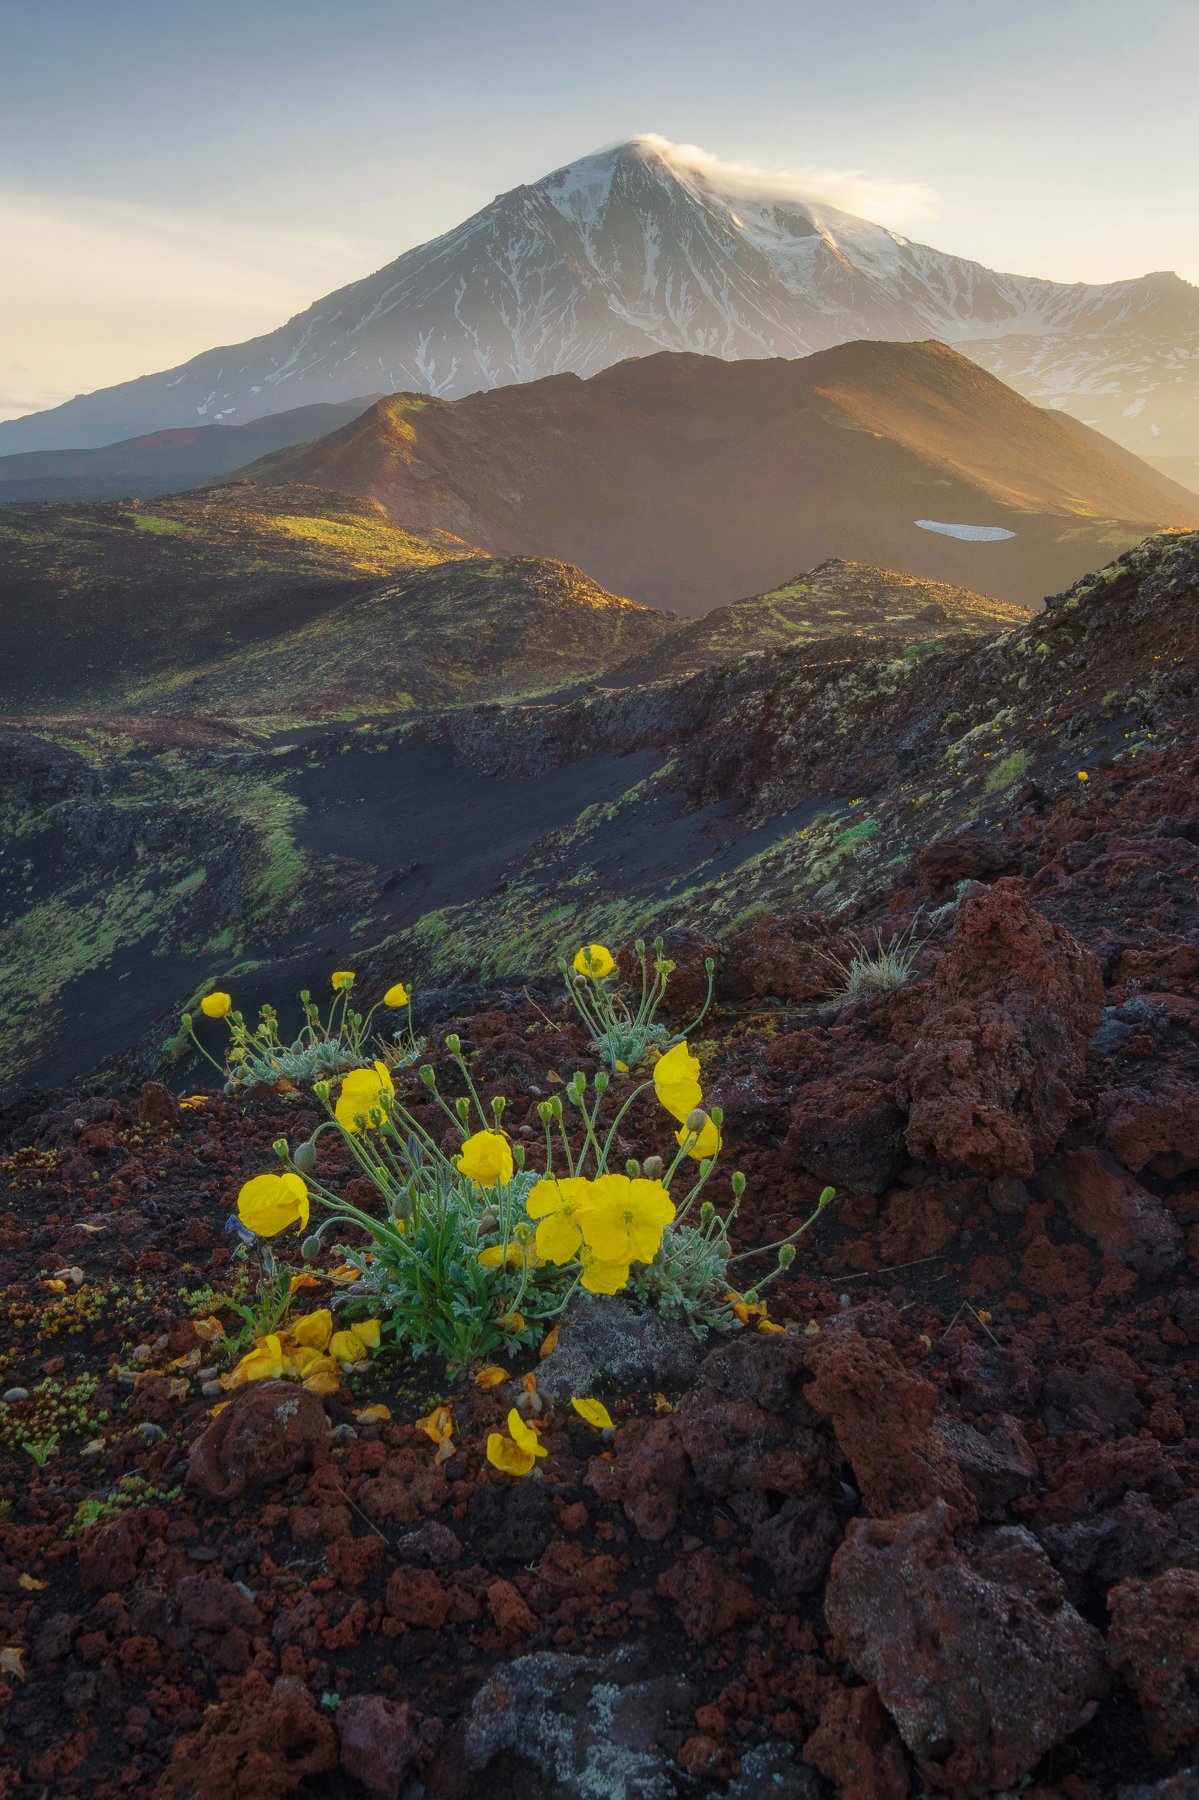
263 1743
1154 1645
776 956
856 1747
980 1659
269 1431
882 1418
1014 1001
108 1555
1154 1129
645 1475
707 1598
156 1105
417 1597
510 1610
382 1742
208 1603
1104 1201
847 1130
964 855
737 1447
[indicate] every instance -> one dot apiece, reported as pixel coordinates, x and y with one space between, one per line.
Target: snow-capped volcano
637 249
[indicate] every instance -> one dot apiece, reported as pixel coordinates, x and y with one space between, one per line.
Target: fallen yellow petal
378 1414
438 1424
322 1382
31 1584
491 1376
594 1411
306 1280
55 1287
549 1342
503 1454
12 1662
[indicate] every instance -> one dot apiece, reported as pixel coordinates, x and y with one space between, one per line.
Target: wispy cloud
93 292
881 198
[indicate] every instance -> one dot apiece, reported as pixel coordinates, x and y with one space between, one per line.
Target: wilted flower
486 1159
396 995
268 1204
353 1344
314 1330
215 1006
438 1424
362 1093
491 1376
265 1362
595 961
676 1081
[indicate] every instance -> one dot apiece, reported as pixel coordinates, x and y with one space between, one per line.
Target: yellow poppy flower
628 1219
503 1454
215 1006
314 1330
676 1081
397 995
486 1158
594 1411
524 1437
562 1207
602 1277
706 1144
268 1204
342 978
595 961
517 1254
362 1092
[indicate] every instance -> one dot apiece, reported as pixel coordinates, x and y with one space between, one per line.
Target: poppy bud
602 1082
488 1223
828 1194
304 1157
632 1168
281 1148
737 1184
428 1075
696 1120
454 1044
707 1212
310 1247
653 1167
462 1108
786 1256
187 1021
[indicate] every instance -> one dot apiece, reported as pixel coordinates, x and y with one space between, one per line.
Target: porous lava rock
882 1416
1153 1645
612 1345
382 1742
847 1131
1107 1203
269 1431
979 1656
990 1080
1154 1129
263 1743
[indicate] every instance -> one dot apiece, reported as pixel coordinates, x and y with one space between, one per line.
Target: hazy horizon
171 184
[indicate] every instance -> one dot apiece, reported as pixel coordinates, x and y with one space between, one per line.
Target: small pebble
152 1433
844 1302
141 1353
14 1395
211 1389
207 1374
342 1434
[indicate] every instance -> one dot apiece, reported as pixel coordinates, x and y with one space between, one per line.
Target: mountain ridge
632 250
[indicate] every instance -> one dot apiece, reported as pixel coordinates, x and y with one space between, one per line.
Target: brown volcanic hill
284 601
837 599
687 481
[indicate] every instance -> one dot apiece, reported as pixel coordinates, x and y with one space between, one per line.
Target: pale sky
174 178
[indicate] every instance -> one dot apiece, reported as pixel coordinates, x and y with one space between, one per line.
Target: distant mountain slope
636 249
165 461
283 601
687 481
839 599
1183 471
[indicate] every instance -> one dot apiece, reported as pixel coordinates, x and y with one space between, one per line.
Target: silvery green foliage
687 1278
306 1063
627 1044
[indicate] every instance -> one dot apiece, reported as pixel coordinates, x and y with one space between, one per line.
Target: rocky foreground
941 1535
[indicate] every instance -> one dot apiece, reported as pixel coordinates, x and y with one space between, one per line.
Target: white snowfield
973 534
636 249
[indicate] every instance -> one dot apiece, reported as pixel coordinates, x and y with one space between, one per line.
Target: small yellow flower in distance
342 978
1083 776
438 1424
397 995
770 1325
595 961
622 1068
562 1207
524 1437
594 1411
602 1277
314 1330
486 1158
491 1376
215 1006
706 1144
628 1219
362 1092
268 1204
676 1081
503 1454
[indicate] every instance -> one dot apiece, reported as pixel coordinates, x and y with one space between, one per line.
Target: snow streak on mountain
633 250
